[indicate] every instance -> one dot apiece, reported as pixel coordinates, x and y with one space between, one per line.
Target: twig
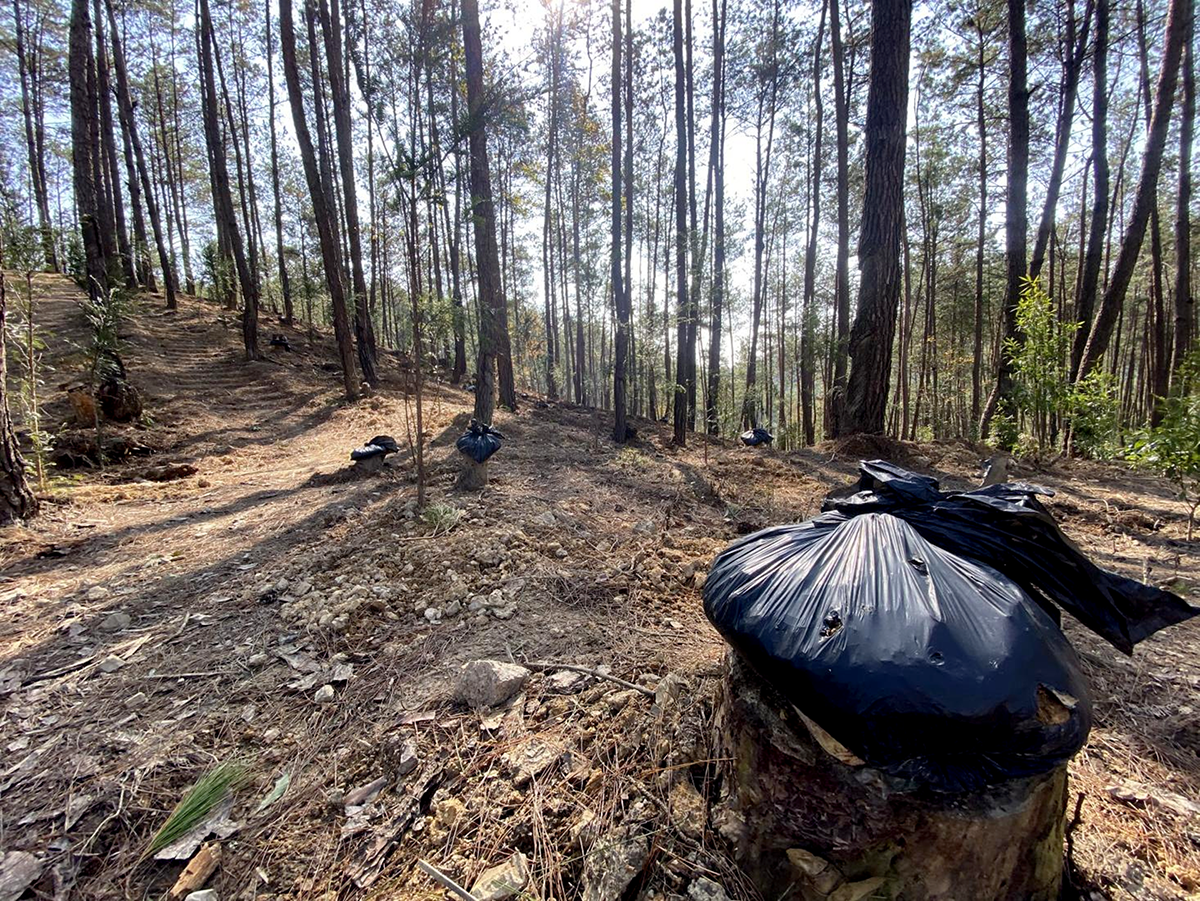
542 666
215 672
446 881
61 671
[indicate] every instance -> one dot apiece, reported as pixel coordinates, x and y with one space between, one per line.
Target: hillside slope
149 630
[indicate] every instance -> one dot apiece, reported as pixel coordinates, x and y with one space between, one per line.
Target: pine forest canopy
819 217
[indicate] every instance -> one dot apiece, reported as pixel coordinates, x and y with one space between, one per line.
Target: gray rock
97 593
207 894
612 864
704 889
433 614
137 701
111 664
503 881
324 695
452 609
115 621
487 683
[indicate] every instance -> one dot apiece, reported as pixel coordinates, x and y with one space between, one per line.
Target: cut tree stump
806 825
472 476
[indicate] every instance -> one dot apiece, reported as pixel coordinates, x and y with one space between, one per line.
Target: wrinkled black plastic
756 436
377 446
479 441
1006 527
929 667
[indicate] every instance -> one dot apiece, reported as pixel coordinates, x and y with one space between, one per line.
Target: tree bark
344 135
1131 243
1184 305
1016 218
807 338
681 234
616 276
284 284
223 199
1093 260
835 401
129 122
492 310
321 199
17 501
879 239
85 151
717 165
33 145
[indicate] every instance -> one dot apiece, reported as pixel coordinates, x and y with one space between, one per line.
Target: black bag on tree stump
476 446
806 825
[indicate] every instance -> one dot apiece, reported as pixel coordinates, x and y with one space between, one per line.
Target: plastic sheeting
1005 526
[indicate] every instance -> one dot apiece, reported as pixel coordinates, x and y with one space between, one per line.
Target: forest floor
150 630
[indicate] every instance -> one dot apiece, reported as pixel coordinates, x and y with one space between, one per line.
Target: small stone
704 889
408 569
477 604
258 659
97 592
566 681
408 759
687 810
115 621
207 894
111 664
433 614
612 865
504 880
447 814
452 609
561 553
546 519
324 695
488 683
507 611
137 701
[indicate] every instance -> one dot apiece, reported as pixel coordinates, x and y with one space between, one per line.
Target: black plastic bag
380 445
1006 527
756 436
927 666
479 441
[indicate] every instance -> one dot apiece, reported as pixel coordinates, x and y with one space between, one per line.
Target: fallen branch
542 667
445 881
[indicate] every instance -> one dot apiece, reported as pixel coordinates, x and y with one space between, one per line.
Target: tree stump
806 825
472 476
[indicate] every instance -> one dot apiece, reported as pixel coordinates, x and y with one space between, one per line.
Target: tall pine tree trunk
320 194
1131 243
491 297
284 284
129 123
879 238
681 235
1184 306
1016 218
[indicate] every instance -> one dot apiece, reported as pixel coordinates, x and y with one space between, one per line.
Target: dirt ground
152 630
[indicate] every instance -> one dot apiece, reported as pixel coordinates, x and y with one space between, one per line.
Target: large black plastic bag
1006 527
927 666
756 436
479 441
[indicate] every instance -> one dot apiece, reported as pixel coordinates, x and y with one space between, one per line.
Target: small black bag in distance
934 669
756 436
479 441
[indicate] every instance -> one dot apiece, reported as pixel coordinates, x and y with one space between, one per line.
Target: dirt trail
150 630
